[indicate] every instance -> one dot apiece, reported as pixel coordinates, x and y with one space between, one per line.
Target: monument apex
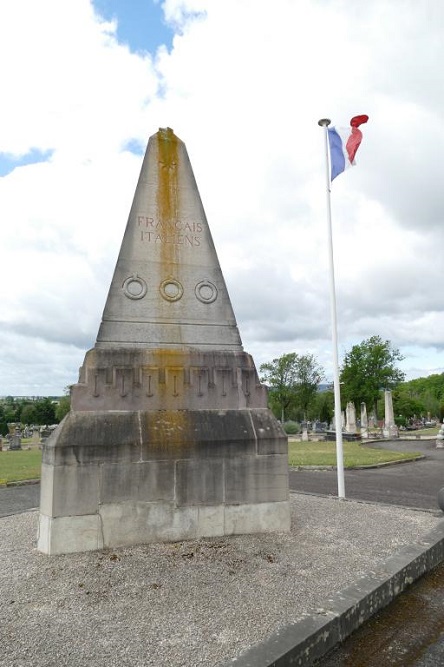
168 289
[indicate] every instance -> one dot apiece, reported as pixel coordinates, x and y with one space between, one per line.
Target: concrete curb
23 482
301 643
384 464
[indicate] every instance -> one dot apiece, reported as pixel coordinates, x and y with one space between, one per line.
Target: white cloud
243 85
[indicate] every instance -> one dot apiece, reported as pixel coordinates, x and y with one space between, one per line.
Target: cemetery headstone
390 429
364 421
15 442
350 411
440 437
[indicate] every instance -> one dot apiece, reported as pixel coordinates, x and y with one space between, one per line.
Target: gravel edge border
300 644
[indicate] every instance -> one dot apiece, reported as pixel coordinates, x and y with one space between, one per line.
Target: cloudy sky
243 84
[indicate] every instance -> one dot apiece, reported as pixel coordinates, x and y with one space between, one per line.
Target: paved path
14 499
410 632
413 484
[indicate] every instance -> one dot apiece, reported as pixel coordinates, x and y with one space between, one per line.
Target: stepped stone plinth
169 436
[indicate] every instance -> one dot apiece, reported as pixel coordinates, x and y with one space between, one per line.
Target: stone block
196 434
199 482
211 521
142 481
69 490
94 437
69 534
256 479
257 518
46 489
130 523
271 438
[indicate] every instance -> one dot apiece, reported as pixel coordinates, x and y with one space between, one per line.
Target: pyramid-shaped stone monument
169 436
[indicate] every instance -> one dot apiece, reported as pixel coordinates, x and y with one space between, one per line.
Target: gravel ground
191 603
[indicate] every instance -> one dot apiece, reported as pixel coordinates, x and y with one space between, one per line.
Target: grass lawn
431 432
20 465
324 454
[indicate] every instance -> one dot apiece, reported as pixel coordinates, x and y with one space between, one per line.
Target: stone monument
350 412
390 429
15 442
364 421
440 437
169 436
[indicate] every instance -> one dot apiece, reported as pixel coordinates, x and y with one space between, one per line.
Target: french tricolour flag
344 142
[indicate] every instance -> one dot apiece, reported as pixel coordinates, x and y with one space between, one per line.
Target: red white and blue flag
344 142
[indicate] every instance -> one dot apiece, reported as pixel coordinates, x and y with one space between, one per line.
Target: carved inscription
188 234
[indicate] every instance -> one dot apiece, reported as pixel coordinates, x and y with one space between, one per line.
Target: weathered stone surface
69 534
144 379
390 429
200 482
203 433
271 438
256 480
137 522
168 289
211 521
350 425
141 522
94 438
169 436
69 490
148 481
257 518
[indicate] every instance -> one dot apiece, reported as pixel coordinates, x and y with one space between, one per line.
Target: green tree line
43 411
367 369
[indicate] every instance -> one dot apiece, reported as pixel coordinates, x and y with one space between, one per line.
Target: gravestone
15 442
350 412
390 429
364 421
44 434
169 436
440 438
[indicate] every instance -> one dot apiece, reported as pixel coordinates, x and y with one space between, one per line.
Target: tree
63 408
309 375
28 414
322 407
44 411
420 396
367 369
406 407
293 381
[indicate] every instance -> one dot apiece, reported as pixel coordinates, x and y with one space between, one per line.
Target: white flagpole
325 122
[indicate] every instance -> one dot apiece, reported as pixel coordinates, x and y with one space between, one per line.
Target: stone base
390 432
128 524
122 478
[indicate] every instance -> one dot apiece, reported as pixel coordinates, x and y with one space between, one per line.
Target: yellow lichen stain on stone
170 427
167 193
